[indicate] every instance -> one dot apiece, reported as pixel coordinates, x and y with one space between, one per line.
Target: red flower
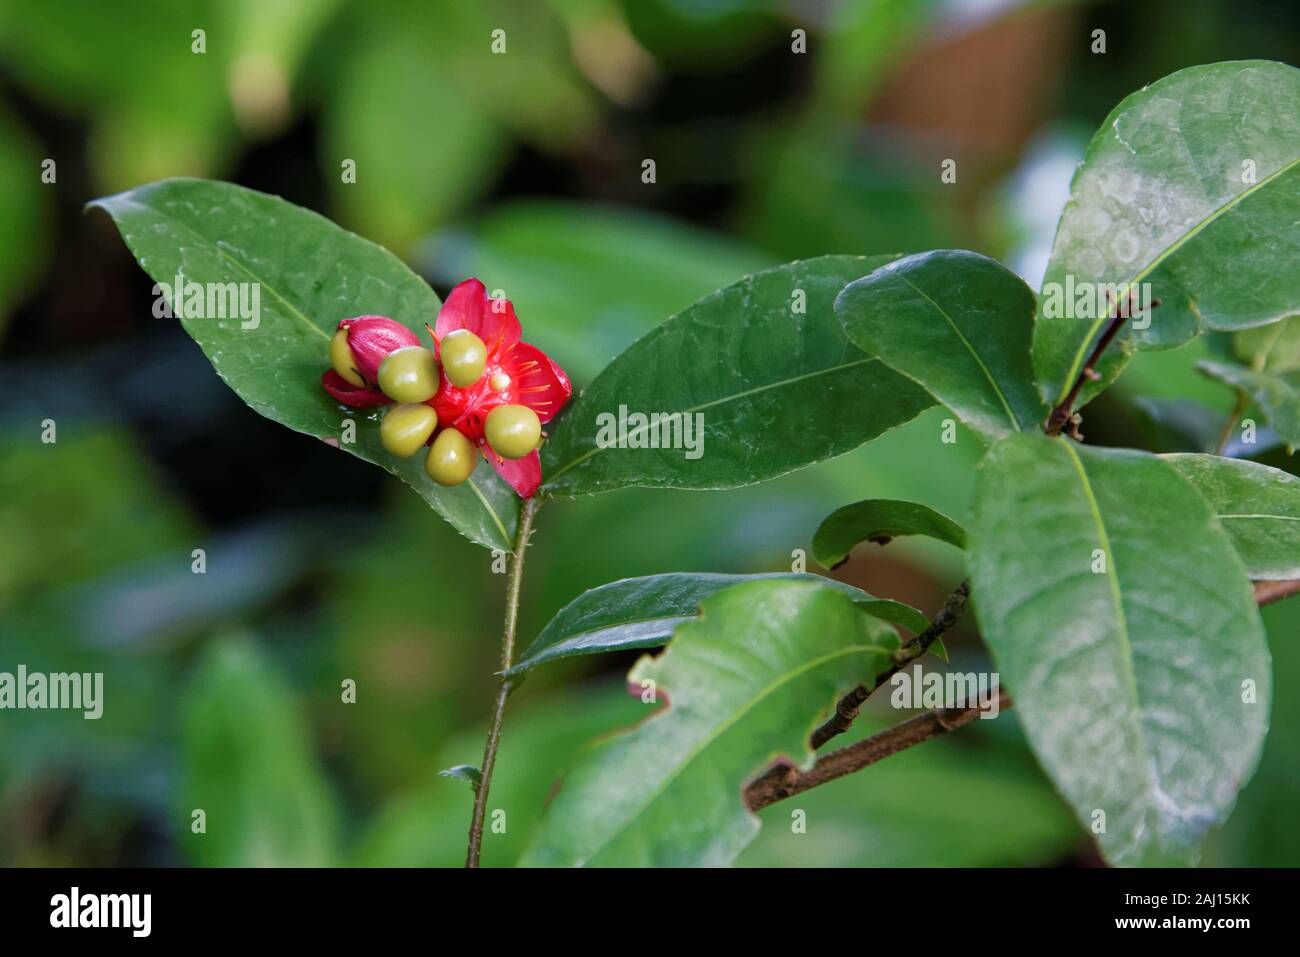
515 373
371 339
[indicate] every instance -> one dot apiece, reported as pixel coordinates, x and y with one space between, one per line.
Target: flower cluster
481 389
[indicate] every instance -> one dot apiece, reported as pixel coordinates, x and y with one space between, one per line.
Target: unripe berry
512 430
451 458
344 363
407 427
409 375
463 357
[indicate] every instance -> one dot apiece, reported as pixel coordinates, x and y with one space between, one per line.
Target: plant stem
513 583
1268 592
1063 414
783 782
847 708
1234 416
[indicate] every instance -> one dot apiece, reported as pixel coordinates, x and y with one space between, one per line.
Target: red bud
372 338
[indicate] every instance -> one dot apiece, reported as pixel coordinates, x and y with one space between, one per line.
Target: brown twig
1268 592
1064 413
784 781
846 710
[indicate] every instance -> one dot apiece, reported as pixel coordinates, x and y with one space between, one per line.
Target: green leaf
1179 424
1272 348
1007 814
898 613
959 324
1192 185
311 275
879 519
642 613
250 767
762 364
103 63
464 772
633 267
1259 506
423 825
396 99
1129 677
745 682
1277 395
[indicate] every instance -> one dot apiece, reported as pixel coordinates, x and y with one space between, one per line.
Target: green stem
513 584
1238 408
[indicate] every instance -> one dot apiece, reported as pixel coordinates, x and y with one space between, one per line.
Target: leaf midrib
1117 597
171 217
1276 518
719 730
1164 254
574 463
295 311
997 389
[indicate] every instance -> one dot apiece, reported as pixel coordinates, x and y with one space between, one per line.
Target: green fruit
512 430
406 427
409 374
344 363
463 357
451 459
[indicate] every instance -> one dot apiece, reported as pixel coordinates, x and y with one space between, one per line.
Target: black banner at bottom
335 907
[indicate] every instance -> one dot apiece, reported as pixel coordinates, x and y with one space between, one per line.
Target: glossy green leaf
1124 626
1191 185
762 367
642 613
308 274
1259 506
250 767
744 683
1277 395
959 324
879 519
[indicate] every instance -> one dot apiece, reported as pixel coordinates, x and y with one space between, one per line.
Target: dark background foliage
524 169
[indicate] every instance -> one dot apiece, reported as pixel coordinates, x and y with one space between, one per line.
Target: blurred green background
223 690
